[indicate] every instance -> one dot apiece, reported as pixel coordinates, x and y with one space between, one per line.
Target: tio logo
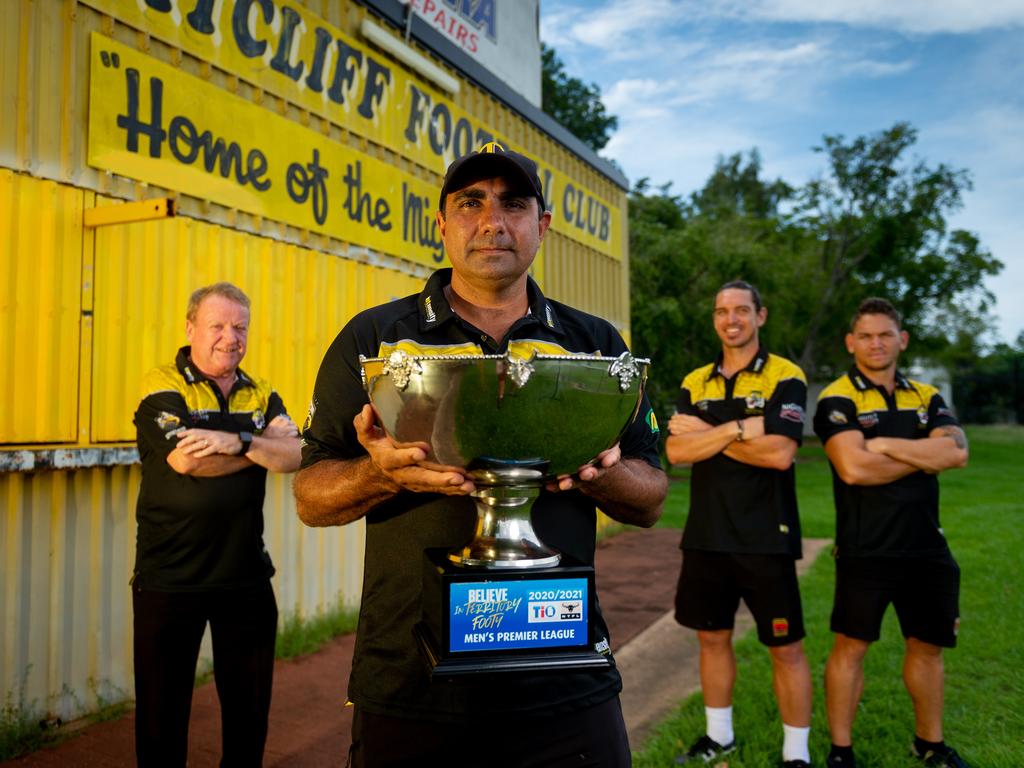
542 612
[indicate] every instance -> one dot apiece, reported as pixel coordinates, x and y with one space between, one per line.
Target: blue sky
691 80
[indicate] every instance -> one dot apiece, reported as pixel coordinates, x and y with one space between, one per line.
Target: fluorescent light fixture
416 61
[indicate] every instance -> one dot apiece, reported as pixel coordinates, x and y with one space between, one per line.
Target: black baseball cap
489 161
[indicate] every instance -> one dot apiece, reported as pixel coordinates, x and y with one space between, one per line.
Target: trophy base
442 666
488 621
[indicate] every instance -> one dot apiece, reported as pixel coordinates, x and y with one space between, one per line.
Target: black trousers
588 738
169 628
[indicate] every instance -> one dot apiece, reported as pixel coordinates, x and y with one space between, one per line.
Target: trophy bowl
511 424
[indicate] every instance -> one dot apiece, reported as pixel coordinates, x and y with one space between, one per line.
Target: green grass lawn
983 516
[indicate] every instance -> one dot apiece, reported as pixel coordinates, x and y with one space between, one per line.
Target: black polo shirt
900 518
199 533
736 507
388 674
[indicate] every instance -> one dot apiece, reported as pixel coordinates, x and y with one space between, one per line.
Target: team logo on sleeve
792 412
167 421
837 417
652 422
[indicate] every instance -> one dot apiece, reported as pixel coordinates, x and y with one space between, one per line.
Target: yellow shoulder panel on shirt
411 347
163 379
781 369
926 391
254 398
696 378
841 387
525 348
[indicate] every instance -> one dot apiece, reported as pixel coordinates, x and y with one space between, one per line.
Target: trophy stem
504 536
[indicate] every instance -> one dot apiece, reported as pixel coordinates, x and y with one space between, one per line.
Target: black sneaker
943 757
705 750
838 761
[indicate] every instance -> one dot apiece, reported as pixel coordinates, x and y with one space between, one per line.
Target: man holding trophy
492 218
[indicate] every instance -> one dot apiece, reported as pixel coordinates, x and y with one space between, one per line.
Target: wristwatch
739 430
246 438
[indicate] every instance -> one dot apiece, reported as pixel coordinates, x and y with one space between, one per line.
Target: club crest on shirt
259 421
755 402
652 422
837 417
922 416
167 421
702 405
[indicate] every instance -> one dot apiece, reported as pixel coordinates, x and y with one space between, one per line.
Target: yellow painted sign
298 56
151 122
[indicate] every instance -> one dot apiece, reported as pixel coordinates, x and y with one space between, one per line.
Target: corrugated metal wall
144 273
68 548
84 313
40 292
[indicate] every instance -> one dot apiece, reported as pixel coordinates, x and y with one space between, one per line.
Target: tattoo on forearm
956 434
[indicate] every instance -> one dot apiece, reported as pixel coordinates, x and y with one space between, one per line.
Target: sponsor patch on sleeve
792 412
868 420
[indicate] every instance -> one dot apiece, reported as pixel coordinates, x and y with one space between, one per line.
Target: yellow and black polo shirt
387 669
736 507
896 519
198 533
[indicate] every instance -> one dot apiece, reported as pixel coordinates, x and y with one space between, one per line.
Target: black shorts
925 591
594 737
712 583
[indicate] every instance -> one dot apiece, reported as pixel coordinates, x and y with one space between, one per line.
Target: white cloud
679 147
870 68
632 95
914 16
737 73
610 27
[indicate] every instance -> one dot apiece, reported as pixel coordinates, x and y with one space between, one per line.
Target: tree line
874 222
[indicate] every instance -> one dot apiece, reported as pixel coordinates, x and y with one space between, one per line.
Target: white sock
794 743
719 721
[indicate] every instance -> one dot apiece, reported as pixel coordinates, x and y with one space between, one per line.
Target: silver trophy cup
512 424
